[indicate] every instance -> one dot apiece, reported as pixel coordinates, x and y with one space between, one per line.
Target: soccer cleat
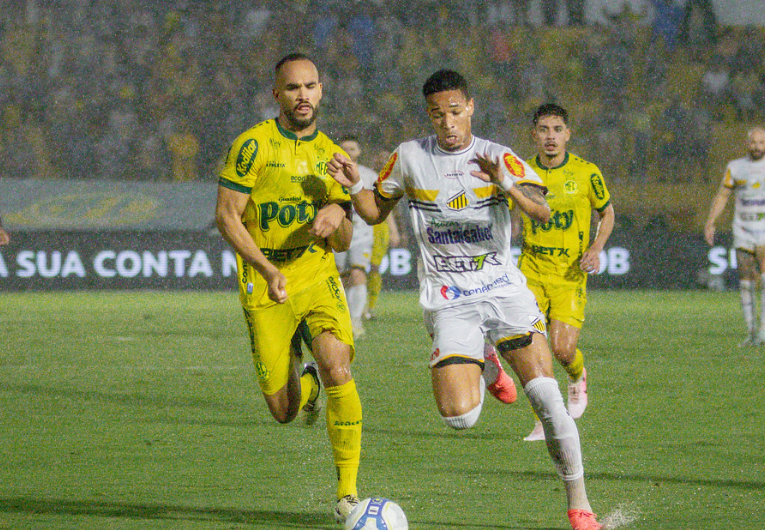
312 409
577 396
750 340
537 435
503 387
344 507
367 315
583 520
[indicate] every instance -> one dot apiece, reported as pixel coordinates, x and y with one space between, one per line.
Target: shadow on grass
26 505
654 480
266 519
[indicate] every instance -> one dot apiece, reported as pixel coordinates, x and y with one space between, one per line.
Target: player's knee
463 421
545 398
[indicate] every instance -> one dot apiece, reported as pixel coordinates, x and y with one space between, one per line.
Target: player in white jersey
746 177
458 188
355 262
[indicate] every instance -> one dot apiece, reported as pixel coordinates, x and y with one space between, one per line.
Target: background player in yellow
284 216
557 256
385 235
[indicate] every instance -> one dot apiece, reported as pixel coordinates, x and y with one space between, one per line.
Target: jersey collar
292 136
445 152
541 165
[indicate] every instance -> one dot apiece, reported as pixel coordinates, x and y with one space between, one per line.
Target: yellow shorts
561 301
380 243
322 306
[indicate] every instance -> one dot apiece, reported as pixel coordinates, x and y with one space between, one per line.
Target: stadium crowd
156 89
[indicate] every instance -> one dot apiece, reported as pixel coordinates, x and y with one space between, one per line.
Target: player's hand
489 169
327 220
4 238
277 285
709 234
344 170
590 261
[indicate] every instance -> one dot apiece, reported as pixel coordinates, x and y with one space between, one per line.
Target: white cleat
577 396
358 329
537 435
344 507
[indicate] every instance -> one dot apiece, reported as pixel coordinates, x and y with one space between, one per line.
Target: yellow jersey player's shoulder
244 156
586 165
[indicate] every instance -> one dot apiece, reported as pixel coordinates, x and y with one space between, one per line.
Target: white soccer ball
377 514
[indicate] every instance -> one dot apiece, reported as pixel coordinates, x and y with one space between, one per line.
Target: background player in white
746 176
355 262
458 188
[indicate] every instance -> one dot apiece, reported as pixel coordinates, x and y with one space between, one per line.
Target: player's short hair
550 109
296 56
444 80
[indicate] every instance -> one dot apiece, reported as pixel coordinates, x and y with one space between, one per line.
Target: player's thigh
380 243
567 302
532 360
746 263
325 311
360 252
271 331
457 334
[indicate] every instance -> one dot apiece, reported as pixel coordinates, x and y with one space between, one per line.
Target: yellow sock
374 286
308 389
576 368
344 428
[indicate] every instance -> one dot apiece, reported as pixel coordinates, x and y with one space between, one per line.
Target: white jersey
462 224
747 178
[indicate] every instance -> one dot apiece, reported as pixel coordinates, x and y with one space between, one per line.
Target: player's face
756 144
551 135
450 113
352 148
298 91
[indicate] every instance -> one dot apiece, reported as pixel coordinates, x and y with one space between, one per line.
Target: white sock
357 300
746 289
470 418
490 370
561 434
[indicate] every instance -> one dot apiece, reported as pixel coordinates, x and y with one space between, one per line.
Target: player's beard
756 154
298 124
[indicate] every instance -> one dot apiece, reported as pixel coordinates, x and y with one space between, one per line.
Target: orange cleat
503 387
583 520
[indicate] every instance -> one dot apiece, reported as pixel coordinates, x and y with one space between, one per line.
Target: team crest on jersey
539 325
246 157
514 165
458 202
450 292
570 186
388 169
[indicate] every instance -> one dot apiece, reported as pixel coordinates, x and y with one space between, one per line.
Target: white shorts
747 239
359 255
459 332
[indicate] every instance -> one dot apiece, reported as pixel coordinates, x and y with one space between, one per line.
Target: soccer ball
377 514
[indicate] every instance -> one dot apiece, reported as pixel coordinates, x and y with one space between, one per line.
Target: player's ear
470 107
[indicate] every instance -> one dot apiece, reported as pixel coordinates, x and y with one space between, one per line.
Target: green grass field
140 411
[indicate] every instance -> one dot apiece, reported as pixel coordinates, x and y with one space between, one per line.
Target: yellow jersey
287 180
551 251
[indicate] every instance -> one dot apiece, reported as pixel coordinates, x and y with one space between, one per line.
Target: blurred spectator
574 10
699 26
183 146
715 83
668 16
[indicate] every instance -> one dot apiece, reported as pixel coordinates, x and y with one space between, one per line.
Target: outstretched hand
489 169
344 170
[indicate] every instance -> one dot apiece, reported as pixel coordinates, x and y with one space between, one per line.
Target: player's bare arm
718 205
228 217
366 203
590 261
333 223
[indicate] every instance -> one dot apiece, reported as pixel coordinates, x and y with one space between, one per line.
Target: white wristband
506 185
356 188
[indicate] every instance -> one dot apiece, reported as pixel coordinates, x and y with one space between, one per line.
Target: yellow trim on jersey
485 192
421 195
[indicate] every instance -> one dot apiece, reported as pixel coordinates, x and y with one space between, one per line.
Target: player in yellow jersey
284 215
557 255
